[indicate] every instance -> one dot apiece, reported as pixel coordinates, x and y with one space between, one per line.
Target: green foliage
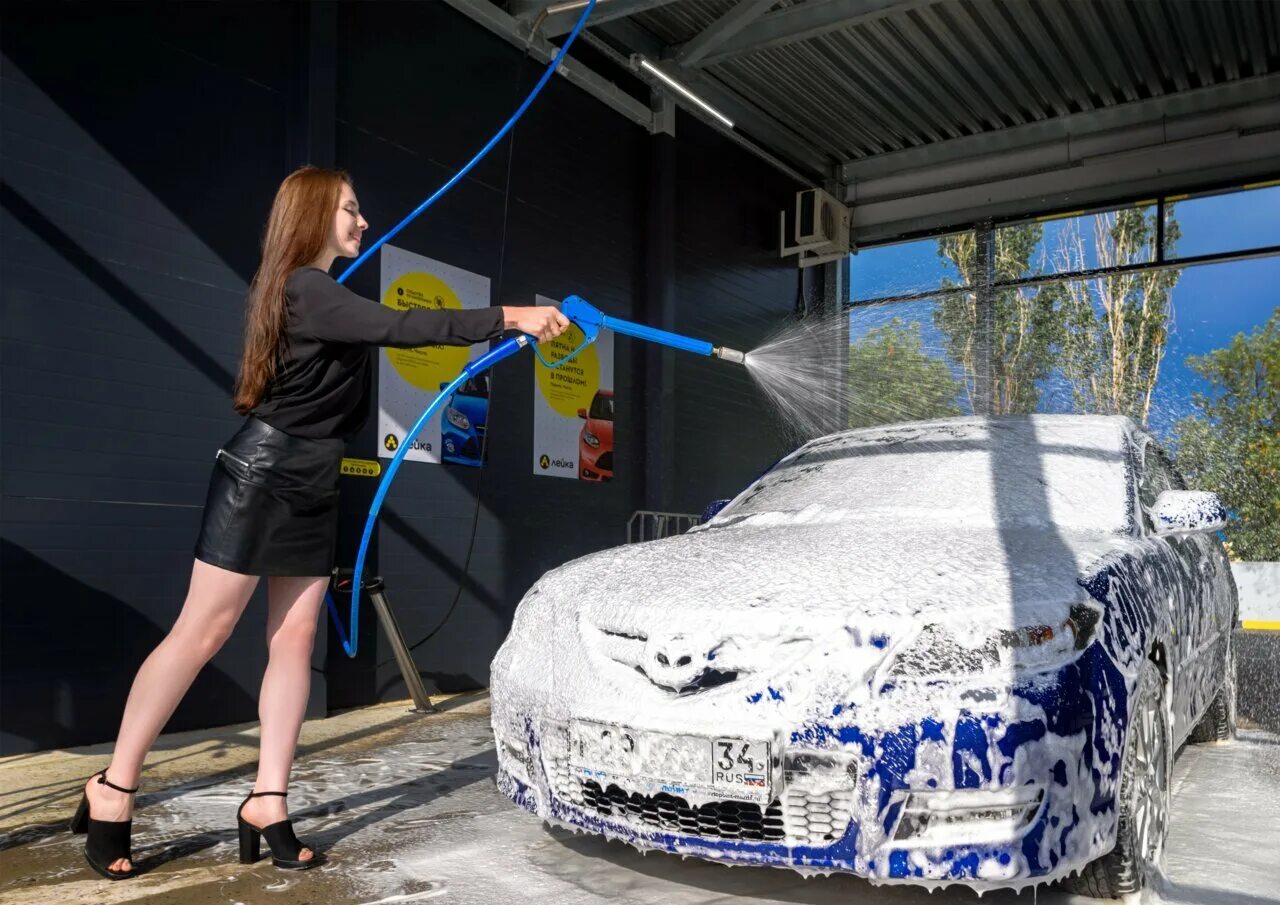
1232 445
1026 325
892 378
1115 328
1105 337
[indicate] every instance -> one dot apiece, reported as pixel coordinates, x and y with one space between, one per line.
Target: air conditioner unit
819 228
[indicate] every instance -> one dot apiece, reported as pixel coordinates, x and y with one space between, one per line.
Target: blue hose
351 640
555 63
350 643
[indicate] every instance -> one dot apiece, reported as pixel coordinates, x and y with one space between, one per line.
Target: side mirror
582 413
1188 512
712 510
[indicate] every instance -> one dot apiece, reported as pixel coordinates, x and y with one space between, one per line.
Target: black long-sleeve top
323 381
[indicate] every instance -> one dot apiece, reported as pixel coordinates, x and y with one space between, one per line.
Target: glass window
899 367
1155 477
602 407
908 267
1212 224
1073 242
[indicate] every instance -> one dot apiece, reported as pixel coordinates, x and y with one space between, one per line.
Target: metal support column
660 311
985 322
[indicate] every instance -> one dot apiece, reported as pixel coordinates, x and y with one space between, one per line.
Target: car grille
715 819
797 818
605 462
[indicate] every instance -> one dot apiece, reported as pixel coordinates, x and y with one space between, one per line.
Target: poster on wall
410 379
573 408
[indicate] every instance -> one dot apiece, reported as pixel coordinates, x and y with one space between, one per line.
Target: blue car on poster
954 651
462 424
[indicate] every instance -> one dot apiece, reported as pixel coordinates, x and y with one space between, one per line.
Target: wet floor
407 812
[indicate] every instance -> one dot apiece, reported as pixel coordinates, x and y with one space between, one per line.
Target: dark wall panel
734 290
141 150
420 89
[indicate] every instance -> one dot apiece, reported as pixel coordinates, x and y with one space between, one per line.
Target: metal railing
646 524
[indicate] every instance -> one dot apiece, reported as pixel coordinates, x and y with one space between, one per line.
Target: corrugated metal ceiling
920 72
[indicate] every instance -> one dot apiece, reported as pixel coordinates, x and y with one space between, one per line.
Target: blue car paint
1149 600
463 447
1068 702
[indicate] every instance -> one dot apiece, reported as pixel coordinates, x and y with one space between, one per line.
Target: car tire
1219 722
1143 799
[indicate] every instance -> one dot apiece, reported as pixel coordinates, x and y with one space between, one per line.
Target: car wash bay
142 146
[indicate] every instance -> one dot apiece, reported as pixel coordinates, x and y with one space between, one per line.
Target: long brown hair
297 231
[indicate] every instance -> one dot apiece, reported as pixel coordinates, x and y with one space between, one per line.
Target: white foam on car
973 526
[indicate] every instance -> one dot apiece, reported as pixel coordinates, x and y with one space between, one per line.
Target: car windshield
475 386
602 408
1053 470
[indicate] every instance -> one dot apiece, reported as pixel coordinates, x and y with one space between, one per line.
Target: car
951 651
462 425
595 443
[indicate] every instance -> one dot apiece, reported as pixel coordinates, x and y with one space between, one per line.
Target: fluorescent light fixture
685 92
567 6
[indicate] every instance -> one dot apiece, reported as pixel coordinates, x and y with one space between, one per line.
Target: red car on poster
595 444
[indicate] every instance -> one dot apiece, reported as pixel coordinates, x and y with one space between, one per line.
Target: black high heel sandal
109 840
284 845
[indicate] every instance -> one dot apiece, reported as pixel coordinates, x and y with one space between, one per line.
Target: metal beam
1071 276
807 20
724 28
1158 113
733 135
510 30
985 329
1232 158
556 24
774 136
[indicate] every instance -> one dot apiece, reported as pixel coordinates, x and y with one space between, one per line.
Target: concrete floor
406 808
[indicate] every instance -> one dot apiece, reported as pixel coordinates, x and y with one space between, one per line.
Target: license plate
724 768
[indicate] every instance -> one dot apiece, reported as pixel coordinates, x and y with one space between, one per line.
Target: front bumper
1022 793
595 464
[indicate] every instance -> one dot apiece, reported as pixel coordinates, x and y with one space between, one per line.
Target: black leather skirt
272 507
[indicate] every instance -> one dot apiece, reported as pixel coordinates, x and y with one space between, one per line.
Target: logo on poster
390 443
545 461
425 367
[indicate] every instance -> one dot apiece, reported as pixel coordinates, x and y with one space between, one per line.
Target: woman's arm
329 311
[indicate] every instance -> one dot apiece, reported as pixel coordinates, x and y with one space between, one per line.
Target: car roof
1099 425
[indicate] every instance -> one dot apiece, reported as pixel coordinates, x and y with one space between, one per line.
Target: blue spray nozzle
585 315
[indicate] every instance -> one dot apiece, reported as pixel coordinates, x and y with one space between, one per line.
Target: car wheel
1143 801
1219 722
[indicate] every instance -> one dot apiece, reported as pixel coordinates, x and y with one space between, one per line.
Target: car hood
776 578
782 620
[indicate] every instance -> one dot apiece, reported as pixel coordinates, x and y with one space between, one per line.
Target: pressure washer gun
590 320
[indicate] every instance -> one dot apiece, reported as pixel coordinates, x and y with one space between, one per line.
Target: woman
272 505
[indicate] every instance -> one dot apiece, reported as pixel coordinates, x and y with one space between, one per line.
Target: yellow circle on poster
571 386
425 367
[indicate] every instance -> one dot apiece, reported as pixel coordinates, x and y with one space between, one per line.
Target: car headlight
457 419
590 439
939 652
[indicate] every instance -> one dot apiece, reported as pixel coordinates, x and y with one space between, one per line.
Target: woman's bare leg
293 610
215 600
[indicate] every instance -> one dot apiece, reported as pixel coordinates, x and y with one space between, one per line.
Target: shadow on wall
56 687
